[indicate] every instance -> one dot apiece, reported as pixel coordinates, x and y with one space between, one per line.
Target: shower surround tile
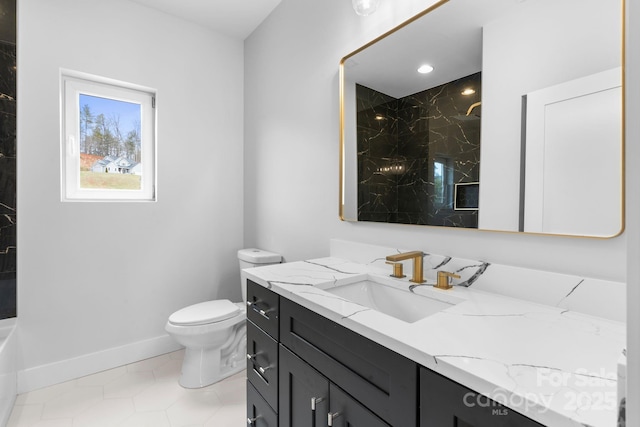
8 114
399 143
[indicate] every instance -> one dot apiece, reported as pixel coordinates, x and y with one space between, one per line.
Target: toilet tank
253 257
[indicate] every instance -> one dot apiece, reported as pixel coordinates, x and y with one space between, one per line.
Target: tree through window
109 144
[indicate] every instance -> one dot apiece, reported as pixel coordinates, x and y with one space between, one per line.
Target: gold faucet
444 277
417 263
397 270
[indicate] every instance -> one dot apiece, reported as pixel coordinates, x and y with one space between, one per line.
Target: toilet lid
205 312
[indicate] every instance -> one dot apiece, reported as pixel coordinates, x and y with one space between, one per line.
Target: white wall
291 145
291 158
293 210
532 36
632 91
97 281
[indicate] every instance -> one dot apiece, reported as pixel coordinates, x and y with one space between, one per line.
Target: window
443 182
108 140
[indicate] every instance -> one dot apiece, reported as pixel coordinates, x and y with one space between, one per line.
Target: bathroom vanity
472 359
314 372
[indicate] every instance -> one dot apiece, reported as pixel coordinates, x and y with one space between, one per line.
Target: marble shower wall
400 141
7 158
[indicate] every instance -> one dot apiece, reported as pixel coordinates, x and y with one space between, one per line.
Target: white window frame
72 85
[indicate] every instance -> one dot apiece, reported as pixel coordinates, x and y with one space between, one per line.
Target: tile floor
142 394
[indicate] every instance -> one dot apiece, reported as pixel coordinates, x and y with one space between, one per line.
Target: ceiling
448 38
235 18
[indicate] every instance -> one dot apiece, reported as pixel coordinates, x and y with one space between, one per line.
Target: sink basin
393 301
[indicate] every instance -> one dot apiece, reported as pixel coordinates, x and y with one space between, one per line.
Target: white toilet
213 332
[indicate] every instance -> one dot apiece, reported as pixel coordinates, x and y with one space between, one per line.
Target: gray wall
99 280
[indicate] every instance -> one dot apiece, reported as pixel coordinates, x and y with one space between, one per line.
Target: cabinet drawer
263 308
445 403
377 377
262 364
259 414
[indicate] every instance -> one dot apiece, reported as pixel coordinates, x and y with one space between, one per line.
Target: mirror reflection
490 114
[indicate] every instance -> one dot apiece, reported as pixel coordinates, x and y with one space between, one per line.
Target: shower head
469 115
474 105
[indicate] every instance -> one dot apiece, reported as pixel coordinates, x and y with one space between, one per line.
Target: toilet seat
205 312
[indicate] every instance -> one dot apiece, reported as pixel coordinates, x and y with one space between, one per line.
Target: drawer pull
315 401
331 417
252 357
253 306
263 370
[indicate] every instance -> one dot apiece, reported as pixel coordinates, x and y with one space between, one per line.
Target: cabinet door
345 411
445 403
304 393
259 413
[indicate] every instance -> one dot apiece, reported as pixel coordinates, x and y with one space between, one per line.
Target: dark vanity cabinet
309 371
307 398
259 413
445 403
262 356
305 370
356 367
304 393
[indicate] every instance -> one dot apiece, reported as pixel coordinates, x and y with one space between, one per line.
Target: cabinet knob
331 417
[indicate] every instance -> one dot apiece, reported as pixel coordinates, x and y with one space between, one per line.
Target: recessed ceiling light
365 7
468 91
425 69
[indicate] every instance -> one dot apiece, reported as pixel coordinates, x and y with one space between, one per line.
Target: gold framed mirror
517 127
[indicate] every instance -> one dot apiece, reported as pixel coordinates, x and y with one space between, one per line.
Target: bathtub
8 368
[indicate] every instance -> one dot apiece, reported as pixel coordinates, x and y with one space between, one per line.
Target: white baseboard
70 369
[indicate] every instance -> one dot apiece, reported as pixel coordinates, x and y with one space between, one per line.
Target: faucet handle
397 269
444 278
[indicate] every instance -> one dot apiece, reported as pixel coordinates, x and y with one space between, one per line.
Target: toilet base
205 366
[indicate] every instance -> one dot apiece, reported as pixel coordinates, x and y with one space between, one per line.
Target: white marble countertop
553 365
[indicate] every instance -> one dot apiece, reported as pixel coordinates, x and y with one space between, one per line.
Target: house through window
108 147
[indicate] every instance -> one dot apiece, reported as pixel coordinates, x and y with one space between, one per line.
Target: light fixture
468 91
395 167
365 7
425 69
